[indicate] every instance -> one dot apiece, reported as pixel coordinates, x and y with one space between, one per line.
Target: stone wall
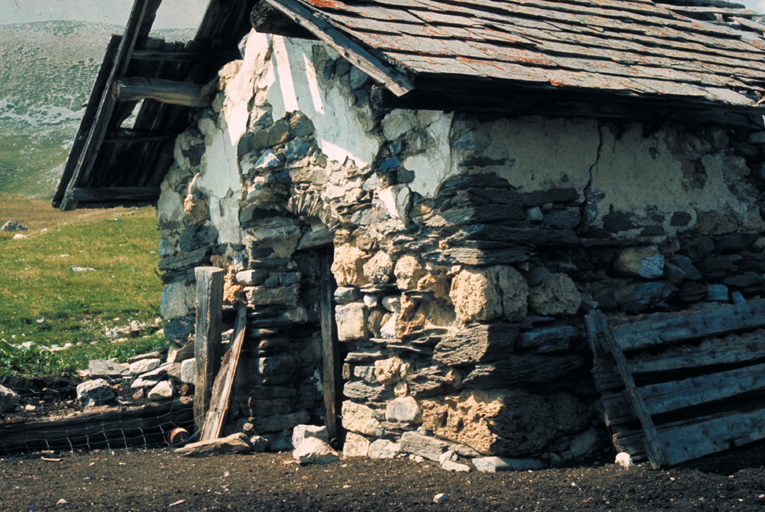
467 251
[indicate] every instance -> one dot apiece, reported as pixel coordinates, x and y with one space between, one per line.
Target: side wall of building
466 250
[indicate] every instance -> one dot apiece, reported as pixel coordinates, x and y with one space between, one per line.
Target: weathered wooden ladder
679 386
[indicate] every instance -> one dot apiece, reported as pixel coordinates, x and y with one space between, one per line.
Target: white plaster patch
540 153
435 165
342 131
220 169
631 180
224 215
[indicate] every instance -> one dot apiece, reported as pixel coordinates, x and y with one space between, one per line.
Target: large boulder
645 262
355 445
408 272
235 443
315 451
360 418
555 295
95 392
351 321
348 266
302 432
509 423
490 293
379 269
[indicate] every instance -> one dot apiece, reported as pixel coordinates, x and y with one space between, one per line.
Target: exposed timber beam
102 195
184 56
163 91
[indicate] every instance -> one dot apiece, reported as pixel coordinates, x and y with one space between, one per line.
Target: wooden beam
224 382
208 336
185 56
163 91
93 195
126 139
331 373
674 395
689 326
359 56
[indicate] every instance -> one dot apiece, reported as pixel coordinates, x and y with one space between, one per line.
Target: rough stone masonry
467 250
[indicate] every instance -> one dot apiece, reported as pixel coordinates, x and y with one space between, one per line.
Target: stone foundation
467 251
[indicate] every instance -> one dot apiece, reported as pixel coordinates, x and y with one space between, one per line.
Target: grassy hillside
47 70
44 300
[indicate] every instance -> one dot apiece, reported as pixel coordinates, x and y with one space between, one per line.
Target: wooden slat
184 56
653 448
331 365
714 351
105 195
674 395
208 337
224 381
690 326
712 436
354 52
163 91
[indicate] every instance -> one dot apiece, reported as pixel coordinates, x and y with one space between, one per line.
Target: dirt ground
158 480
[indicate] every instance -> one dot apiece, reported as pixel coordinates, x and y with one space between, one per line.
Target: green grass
27 160
43 300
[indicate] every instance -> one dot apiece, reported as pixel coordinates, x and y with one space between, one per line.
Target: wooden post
330 353
207 340
224 381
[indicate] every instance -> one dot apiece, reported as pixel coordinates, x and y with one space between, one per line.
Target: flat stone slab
495 464
236 443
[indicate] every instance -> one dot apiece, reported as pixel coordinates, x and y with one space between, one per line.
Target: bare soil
158 480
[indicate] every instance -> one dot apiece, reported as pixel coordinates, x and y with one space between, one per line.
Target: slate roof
632 48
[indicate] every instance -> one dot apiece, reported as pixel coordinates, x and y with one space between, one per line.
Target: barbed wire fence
59 424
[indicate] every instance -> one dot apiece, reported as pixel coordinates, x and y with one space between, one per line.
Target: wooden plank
87 119
163 91
354 52
174 56
208 337
689 326
712 436
653 448
106 106
95 195
595 323
331 364
224 381
674 395
732 349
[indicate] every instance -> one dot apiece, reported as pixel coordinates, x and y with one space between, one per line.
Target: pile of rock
148 375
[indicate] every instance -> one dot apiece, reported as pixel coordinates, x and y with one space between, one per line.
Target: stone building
476 176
